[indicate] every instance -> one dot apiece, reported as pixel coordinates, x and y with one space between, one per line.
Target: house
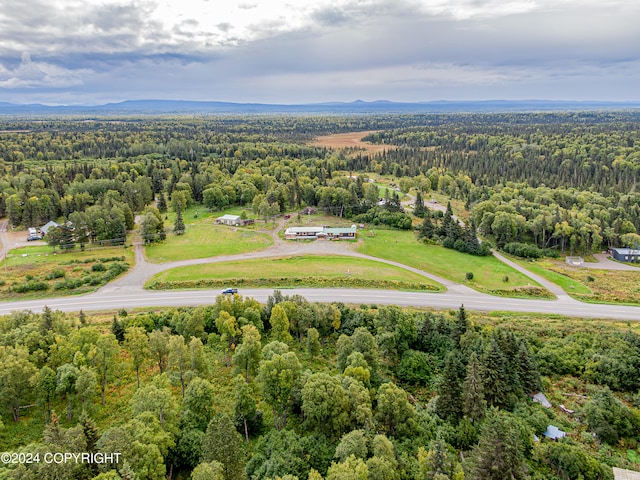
47 226
233 220
341 233
554 433
626 254
303 233
320 233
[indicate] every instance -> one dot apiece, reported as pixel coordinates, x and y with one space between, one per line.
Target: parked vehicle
31 238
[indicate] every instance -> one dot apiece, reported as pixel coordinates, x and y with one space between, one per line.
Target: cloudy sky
299 51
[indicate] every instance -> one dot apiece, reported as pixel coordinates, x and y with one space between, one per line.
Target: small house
303 233
341 233
48 226
233 220
626 254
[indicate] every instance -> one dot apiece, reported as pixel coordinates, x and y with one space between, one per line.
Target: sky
70 52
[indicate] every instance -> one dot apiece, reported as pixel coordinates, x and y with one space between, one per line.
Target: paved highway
114 299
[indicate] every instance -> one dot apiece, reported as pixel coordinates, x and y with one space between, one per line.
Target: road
128 292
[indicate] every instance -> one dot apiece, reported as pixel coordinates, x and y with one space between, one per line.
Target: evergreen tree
179 227
527 370
426 229
461 325
473 402
495 379
117 329
500 453
449 401
162 203
419 209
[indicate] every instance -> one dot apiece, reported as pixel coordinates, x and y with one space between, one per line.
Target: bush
469 276
57 273
30 286
98 267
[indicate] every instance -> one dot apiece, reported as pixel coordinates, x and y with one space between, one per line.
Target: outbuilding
233 220
625 254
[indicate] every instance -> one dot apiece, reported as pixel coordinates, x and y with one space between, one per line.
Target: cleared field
350 140
207 240
592 285
489 274
306 270
38 272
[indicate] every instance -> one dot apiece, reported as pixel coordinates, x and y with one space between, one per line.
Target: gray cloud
399 50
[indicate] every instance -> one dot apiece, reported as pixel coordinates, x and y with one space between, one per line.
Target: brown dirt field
349 140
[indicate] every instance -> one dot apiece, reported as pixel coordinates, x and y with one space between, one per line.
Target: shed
234 220
554 433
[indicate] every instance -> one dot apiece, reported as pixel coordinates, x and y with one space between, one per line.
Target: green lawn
43 254
203 240
299 270
488 272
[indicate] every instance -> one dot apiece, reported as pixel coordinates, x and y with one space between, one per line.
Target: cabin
625 254
623 474
233 220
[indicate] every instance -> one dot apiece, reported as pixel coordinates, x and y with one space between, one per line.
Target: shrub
98 267
30 286
57 273
469 276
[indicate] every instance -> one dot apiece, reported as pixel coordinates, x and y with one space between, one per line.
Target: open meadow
283 272
489 274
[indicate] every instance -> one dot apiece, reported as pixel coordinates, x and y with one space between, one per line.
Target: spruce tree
473 402
117 329
461 325
162 203
179 227
500 454
419 209
495 379
527 370
449 401
426 230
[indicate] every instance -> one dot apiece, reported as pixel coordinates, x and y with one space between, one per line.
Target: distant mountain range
158 107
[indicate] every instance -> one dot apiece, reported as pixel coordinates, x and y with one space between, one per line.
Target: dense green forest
291 389
562 181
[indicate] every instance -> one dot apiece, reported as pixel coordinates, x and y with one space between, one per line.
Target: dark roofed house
626 254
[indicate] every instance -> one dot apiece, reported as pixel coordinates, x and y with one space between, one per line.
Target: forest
296 390
291 389
560 181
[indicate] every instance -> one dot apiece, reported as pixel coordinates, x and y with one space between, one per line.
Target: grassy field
489 273
592 285
207 240
38 271
295 271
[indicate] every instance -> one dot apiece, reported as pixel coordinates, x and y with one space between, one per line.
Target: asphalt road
133 298
127 291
